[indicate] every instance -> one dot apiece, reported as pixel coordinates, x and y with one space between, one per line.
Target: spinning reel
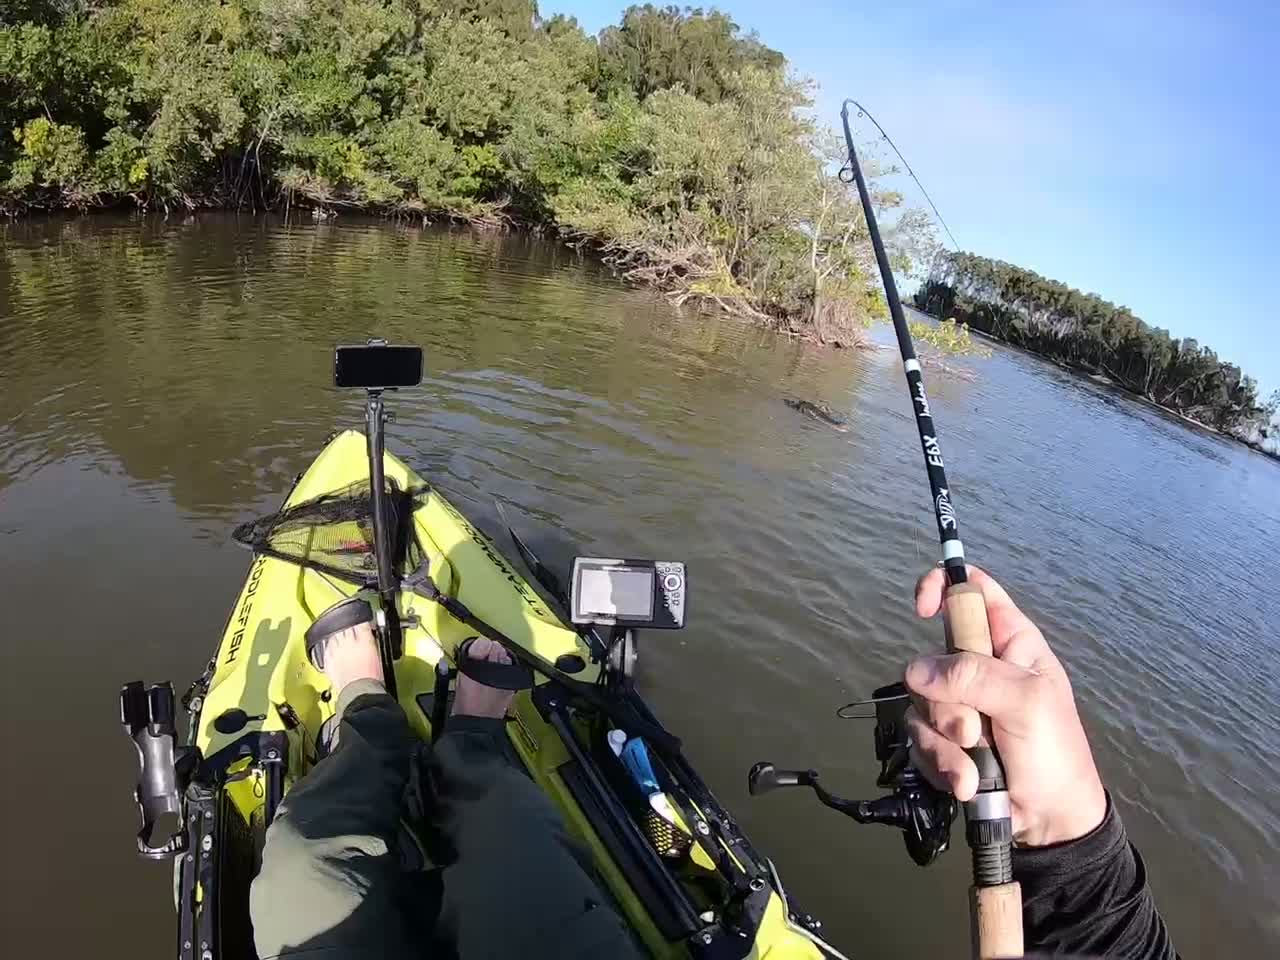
923 813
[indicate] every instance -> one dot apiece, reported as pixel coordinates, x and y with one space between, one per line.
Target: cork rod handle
995 913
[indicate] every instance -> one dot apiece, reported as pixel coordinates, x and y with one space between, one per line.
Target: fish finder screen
616 592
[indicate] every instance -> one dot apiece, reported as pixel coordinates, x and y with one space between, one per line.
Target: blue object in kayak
635 757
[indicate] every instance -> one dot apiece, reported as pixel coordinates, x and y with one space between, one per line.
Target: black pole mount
390 639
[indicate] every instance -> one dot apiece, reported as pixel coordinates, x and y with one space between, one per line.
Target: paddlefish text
246 607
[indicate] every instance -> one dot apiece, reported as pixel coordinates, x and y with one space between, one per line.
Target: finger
960 724
994 687
933 584
929 592
943 763
1003 616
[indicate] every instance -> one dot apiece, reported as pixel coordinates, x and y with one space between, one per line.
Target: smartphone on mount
377 365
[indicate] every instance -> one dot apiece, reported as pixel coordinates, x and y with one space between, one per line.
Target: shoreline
1102 380
629 263
599 251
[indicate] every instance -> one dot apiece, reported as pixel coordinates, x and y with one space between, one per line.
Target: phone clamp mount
377 366
923 813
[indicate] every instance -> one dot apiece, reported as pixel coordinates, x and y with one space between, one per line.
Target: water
160 382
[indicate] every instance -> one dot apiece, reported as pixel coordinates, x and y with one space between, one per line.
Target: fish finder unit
628 593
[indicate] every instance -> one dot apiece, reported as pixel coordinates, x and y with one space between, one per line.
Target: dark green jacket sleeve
1090 897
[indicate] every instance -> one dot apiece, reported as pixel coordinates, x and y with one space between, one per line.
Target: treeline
1084 331
673 143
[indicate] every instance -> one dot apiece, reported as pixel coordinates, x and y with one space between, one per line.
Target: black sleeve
1089 897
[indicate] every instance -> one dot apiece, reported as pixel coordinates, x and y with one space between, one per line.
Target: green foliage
49 153
1085 331
121 166
515 18
38 11
654 48
948 337
673 143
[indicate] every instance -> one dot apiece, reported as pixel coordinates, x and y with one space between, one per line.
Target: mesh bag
333 533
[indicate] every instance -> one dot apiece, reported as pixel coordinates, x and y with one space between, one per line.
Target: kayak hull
261 668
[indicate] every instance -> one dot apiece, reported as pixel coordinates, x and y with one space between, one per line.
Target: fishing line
864 112
943 507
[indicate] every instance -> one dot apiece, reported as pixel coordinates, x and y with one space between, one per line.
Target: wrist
1079 813
1049 871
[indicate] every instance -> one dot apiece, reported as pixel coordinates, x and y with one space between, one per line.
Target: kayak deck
261 668
262 662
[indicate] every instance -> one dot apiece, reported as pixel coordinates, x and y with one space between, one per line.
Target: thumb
994 687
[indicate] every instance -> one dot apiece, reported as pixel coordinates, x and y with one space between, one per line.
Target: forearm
1089 897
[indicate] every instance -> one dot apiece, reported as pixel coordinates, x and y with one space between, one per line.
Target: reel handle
764 777
995 910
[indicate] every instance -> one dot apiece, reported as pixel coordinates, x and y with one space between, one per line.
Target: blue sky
1131 149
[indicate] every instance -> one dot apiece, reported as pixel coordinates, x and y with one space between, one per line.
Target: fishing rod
864 112
995 898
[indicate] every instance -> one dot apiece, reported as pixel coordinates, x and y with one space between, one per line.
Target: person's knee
287 864
282 851
311 890
278 921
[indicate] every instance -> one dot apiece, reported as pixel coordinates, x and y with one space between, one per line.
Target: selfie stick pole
389 637
995 899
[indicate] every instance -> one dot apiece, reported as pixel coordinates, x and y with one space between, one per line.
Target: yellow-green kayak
258 712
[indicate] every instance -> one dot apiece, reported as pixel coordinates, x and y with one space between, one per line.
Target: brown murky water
160 382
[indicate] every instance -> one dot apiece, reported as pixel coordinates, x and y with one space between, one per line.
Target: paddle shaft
995 900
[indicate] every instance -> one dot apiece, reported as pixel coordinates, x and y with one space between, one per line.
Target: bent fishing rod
995 898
